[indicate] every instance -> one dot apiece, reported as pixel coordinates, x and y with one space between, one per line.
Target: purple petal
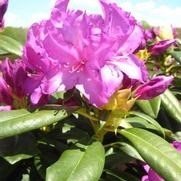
32 82
122 27
153 176
133 42
34 54
145 178
149 34
36 96
177 145
3 8
154 87
132 67
5 108
5 92
98 88
52 82
91 88
161 46
116 20
60 50
61 5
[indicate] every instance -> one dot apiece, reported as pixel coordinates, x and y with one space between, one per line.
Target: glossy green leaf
30 122
171 105
13 114
150 107
140 122
10 45
158 153
78 165
149 120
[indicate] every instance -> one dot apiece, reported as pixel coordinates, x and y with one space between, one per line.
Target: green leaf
150 107
30 122
10 45
139 122
129 150
176 55
25 177
78 165
13 114
158 153
18 34
149 120
171 105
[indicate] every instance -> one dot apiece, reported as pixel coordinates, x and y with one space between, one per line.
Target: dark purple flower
3 8
154 87
5 92
161 47
12 80
12 85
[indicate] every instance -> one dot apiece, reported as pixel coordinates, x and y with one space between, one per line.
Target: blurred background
155 12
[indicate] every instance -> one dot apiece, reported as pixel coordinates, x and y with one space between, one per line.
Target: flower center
78 67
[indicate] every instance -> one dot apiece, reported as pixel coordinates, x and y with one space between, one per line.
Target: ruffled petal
132 67
99 87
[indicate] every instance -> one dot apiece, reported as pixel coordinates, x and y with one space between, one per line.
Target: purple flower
149 35
13 76
3 8
12 86
152 175
161 46
12 80
89 52
5 92
154 87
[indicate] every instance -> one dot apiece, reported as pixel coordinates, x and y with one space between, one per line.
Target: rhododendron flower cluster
3 8
93 53
89 52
